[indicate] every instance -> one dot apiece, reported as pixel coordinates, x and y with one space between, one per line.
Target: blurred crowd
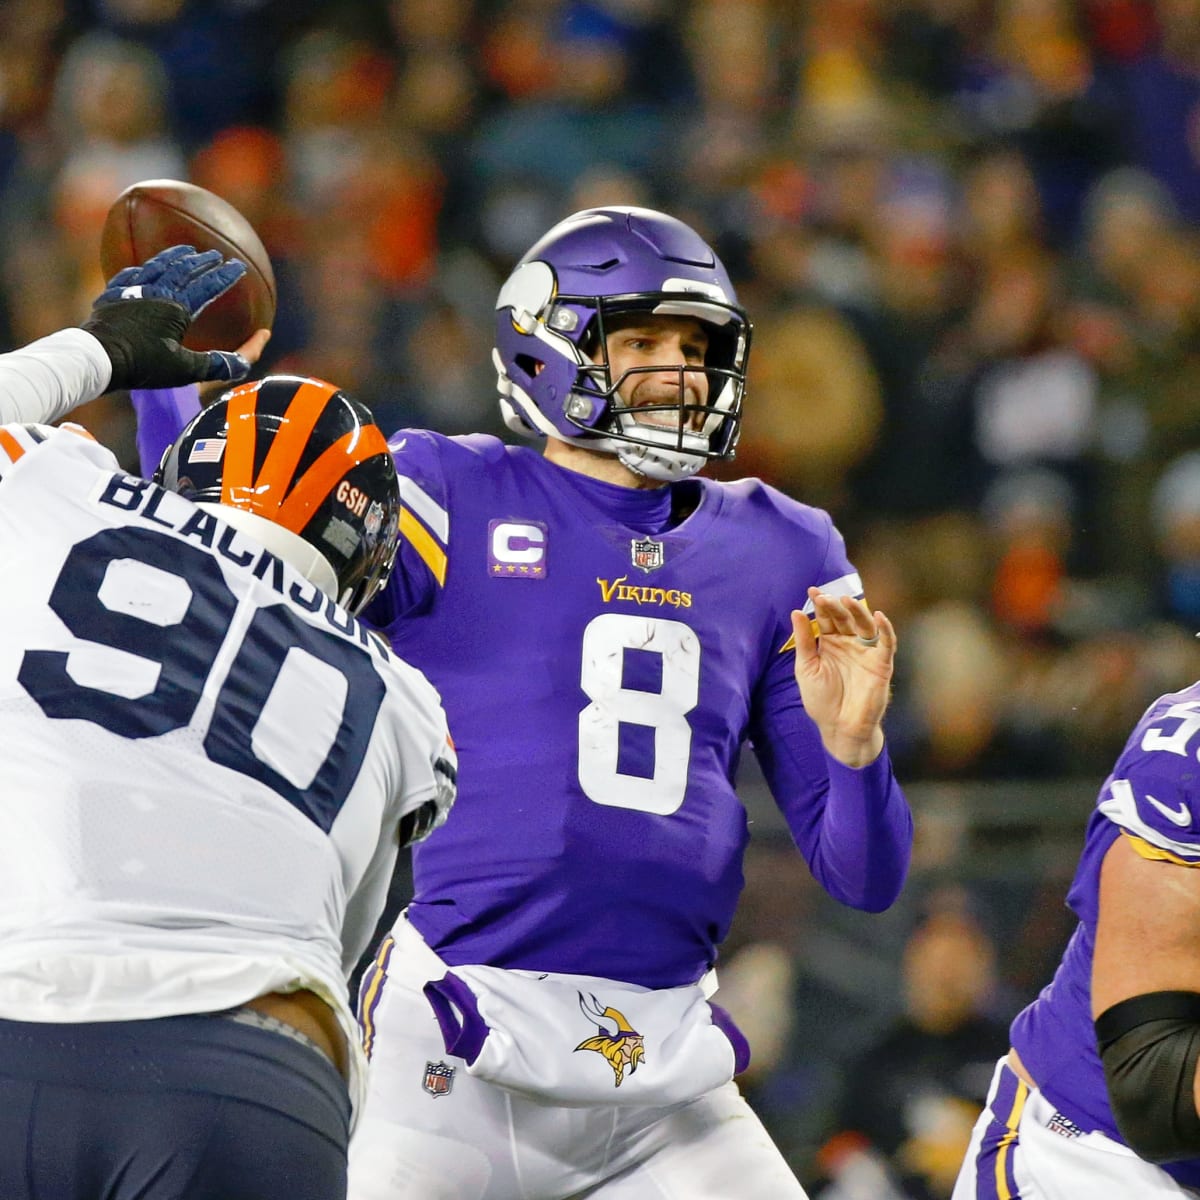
966 231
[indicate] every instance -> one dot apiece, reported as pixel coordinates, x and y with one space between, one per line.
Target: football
157 213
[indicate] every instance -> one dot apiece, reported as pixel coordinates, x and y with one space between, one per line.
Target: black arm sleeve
1149 1046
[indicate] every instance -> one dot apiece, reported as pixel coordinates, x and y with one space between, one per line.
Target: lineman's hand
251 350
416 826
845 675
142 315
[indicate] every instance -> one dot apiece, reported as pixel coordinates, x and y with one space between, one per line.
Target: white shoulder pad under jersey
205 759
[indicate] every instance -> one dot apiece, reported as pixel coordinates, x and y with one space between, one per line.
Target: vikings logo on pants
623 1048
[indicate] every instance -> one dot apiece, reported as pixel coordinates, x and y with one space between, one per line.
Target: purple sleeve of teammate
161 415
853 825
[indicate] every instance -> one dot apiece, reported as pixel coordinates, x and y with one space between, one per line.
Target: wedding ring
871 641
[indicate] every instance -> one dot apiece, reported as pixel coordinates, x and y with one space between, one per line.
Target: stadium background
966 231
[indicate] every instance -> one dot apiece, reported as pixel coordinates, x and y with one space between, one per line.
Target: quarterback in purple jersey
1098 1095
607 631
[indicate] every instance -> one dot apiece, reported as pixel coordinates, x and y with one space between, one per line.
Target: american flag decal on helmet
206 450
439 1079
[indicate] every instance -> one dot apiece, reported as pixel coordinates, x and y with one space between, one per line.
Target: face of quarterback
662 355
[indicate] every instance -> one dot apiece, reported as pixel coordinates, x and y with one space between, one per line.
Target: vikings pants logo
622 1047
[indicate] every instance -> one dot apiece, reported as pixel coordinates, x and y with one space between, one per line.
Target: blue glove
143 313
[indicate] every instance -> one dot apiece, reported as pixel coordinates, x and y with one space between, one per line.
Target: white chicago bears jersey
204 759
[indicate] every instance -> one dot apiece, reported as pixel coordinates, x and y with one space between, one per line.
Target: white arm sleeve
43 381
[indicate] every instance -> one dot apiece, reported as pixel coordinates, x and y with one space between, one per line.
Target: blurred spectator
1177 537
577 102
1159 84
1033 398
817 408
915 1092
248 166
1029 514
956 685
197 44
921 460
1037 86
1002 210
114 125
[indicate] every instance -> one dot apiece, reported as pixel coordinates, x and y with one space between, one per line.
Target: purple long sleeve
853 826
865 841
161 415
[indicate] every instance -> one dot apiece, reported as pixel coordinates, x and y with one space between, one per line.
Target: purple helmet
551 320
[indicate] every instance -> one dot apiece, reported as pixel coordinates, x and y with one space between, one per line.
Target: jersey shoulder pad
779 520
1154 790
19 442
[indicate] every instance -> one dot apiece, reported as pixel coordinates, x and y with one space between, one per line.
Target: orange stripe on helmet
10 445
237 476
279 468
326 473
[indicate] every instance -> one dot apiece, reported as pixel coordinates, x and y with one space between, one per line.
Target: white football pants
422 1136
1019 1151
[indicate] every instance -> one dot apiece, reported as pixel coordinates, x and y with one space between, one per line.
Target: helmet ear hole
530 365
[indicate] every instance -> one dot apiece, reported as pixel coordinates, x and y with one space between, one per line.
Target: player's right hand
845 675
143 313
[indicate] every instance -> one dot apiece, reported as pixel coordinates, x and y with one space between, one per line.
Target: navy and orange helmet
304 455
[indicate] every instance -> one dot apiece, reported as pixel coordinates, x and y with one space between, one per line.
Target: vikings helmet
301 467
552 317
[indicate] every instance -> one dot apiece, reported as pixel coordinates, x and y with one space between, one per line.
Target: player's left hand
143 313
845 675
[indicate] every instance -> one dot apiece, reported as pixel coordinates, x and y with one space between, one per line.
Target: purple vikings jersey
1150 798
597 830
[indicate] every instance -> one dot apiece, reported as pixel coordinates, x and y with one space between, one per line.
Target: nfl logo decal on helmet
296 454
552 317
439 1079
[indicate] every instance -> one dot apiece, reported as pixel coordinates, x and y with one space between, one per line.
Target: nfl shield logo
439 1079
647 553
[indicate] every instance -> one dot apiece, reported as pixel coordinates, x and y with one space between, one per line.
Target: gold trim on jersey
1144 849
433 556
790 644
845 585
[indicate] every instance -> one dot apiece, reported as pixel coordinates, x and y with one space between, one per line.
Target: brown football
157 213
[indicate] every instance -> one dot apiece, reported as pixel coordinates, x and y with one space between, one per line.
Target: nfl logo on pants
439 1078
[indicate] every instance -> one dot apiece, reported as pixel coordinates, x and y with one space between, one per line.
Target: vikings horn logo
623 1048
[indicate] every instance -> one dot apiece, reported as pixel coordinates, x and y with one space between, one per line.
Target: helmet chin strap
664 466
